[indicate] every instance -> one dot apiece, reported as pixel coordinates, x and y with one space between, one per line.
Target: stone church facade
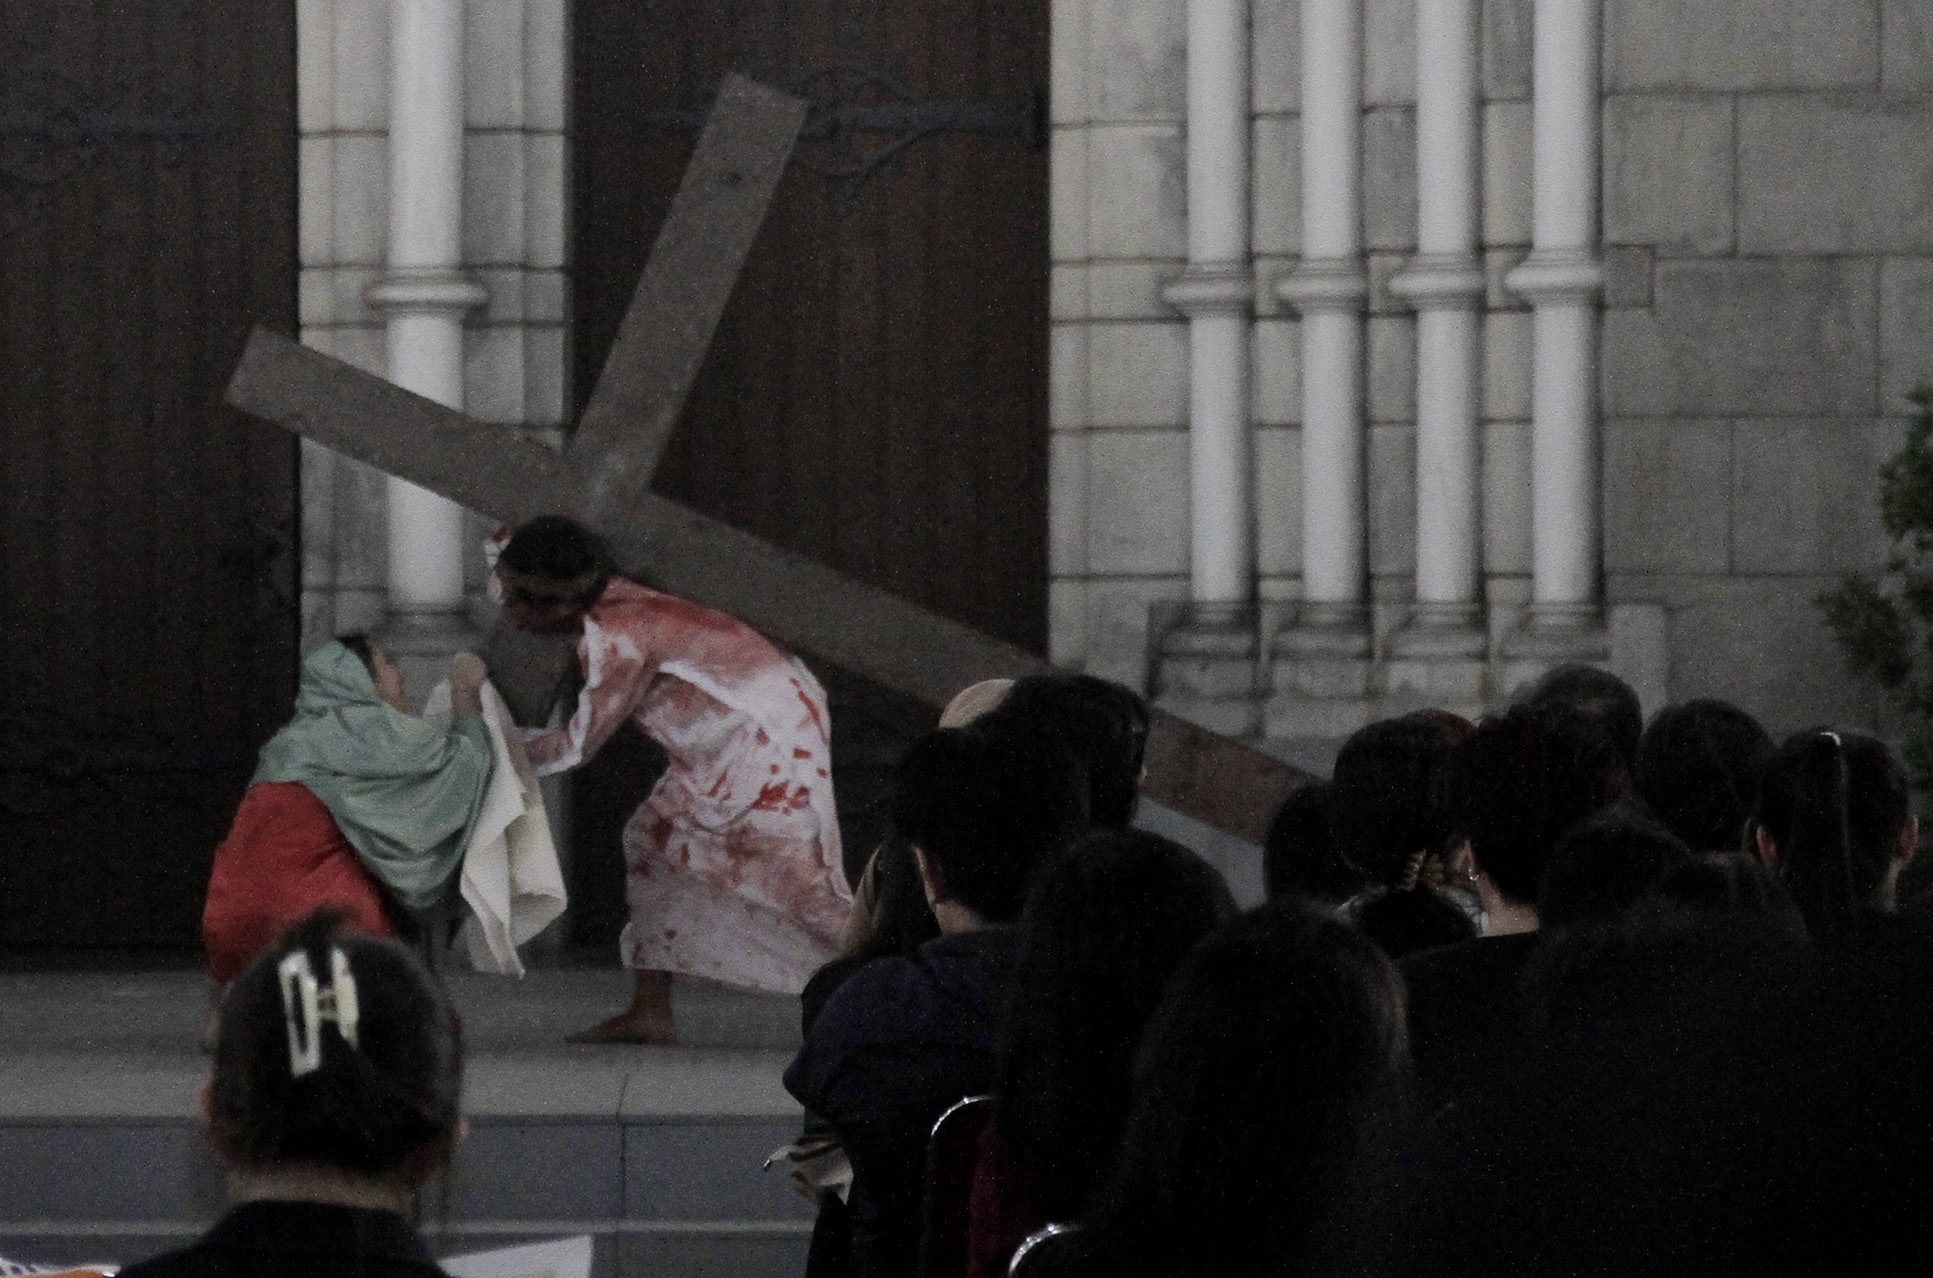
1649 320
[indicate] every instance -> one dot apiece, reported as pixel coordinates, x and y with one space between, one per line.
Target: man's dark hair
1698 768
559 549
986 803
1598 697
368 1109
1605 866
1103 725
1520 782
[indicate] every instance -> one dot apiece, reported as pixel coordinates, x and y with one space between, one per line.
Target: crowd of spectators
1558 992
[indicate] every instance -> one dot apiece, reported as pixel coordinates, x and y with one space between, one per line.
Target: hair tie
1413 869
301 992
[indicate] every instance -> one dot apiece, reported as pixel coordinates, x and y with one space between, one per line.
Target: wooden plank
492 469
682 293
796 600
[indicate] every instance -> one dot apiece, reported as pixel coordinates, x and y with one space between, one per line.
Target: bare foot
631 1026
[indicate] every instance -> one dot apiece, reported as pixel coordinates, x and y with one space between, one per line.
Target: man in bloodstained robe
733 862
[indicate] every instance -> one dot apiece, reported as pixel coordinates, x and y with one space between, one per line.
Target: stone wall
1769 254
515 185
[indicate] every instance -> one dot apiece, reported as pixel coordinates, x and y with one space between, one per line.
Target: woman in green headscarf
356 804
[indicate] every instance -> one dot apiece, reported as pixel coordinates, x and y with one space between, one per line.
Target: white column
1445 284
422 294
1562 278
1217 293
1329 289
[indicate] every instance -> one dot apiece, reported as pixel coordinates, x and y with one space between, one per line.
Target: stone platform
655 1152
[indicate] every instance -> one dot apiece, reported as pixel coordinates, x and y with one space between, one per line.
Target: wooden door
877 393
147 602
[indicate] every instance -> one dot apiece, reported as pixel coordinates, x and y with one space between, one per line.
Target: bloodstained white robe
734 868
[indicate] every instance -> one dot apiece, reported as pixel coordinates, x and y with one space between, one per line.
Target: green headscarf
404 793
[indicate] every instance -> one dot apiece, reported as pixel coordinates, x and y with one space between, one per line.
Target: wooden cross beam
602 478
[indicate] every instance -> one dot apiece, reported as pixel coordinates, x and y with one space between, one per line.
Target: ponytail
1834 804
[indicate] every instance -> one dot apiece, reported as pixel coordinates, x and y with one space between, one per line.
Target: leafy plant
1884 622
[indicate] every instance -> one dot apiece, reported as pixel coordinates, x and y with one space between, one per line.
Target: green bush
1884 622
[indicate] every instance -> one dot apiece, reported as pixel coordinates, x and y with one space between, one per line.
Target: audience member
1520 782
1299 857
903 1038
1697 771
1834 821
1598 697
1731 883
1605 866
1103 725
1268 1086
1105 926
1387 814
338 1069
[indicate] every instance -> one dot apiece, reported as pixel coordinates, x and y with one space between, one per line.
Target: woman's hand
467 673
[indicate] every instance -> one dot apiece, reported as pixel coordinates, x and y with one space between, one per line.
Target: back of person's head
1386 798
1388 814
1103 725
559 550
1598 697
1835 806
1604 866
986 804
1697 771
1730 883
1520 782
1278 1049
336 1050
902 920
1105 925
1299 856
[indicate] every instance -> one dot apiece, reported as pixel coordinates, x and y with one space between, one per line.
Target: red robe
283 859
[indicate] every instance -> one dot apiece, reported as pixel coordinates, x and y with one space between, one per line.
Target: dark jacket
900 1041
299 1240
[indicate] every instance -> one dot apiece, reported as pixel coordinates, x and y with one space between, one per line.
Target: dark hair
1277 1050
1834 803
902 920
986 803
369 1109
1697 770
1385 797
1730 883
1299 856
359 644
1103 725
1523 779
1598 697
1105 925
1405 920
559 549
1604 866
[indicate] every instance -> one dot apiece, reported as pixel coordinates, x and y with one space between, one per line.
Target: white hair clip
1833 737
316 1004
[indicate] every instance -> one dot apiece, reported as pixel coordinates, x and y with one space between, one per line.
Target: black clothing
900 1041
299 1240
1466 1006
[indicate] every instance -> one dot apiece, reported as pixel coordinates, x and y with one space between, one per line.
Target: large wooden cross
603 478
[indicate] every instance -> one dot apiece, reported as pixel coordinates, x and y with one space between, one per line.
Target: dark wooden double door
147 602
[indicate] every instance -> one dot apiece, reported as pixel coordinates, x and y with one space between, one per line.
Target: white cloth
511 880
